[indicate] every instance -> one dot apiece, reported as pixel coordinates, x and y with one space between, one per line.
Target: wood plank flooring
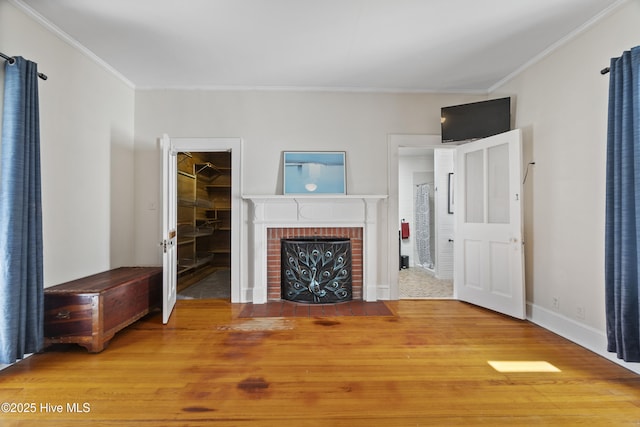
291 309
426 365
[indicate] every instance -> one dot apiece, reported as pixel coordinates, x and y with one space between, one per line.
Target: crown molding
55 30
557 45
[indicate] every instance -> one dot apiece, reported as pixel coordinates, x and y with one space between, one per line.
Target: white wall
445 232
269 123
561 105
86 132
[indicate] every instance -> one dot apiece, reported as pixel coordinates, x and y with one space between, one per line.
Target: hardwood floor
426 365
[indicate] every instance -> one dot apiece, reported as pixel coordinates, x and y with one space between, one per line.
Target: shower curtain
422 228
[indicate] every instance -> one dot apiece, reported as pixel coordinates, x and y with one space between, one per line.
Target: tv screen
476 120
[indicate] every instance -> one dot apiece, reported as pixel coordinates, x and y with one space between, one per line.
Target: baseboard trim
383 292
246 295
583 335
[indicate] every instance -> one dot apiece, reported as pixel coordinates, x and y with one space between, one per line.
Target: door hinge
166 244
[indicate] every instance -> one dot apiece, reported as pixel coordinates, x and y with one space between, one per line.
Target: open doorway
170 148
484 243
204 225
442 158
426 223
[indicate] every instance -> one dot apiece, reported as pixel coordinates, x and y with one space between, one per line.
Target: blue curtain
622 225
21 283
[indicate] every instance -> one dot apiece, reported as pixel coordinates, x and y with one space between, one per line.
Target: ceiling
380 45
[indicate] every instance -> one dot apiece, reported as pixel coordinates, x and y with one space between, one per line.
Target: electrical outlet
555 303
580 312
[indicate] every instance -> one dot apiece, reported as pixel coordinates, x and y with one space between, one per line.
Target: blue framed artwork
314 172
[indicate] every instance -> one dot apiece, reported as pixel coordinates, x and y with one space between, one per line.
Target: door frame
233 145
394 143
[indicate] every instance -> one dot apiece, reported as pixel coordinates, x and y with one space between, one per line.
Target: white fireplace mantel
271 211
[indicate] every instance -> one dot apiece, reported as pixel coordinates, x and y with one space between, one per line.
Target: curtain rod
11 61
604 71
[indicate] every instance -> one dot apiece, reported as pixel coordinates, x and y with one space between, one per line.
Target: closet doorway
204 225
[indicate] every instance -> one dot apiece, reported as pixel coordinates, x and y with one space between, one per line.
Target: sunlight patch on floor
523 366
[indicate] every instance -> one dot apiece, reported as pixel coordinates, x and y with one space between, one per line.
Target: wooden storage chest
89 311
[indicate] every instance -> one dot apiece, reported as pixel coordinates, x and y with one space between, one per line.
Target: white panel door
169 227
489 253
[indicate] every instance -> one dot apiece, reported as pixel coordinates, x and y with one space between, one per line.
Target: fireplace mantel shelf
318 210
313 196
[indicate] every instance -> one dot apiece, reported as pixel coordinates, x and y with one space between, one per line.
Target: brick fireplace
274 236
272 218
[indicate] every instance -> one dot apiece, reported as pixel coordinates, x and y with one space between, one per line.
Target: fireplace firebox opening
316 270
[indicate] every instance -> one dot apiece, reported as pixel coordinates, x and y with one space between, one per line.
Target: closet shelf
208 221
221 251
208 171
200 260
218 208
190 231
204 223
197 203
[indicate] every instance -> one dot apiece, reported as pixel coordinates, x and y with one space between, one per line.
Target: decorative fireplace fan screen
316 270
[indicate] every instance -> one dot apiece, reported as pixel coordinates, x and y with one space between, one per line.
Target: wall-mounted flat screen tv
476 120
